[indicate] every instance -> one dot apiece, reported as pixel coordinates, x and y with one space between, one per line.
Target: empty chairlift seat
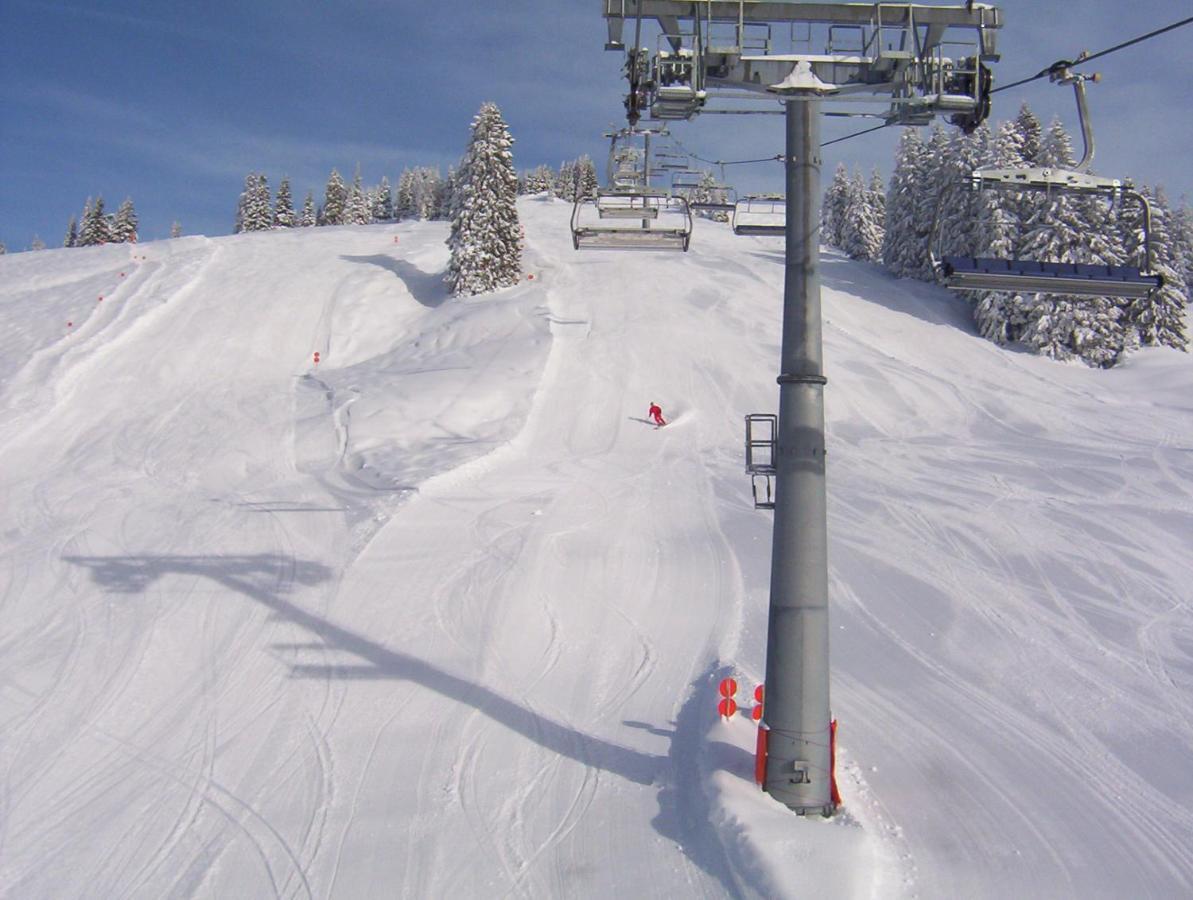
642 220
1036 277
760 216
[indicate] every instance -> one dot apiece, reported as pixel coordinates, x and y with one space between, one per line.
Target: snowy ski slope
443 615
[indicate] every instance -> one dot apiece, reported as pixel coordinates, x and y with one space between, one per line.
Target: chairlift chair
646 219
1047 277
760 215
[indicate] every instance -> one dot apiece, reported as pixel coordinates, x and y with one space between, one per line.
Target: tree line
927 208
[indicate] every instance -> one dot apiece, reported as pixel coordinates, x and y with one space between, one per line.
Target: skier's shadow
643 421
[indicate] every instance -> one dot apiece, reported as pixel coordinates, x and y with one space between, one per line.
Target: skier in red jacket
656 413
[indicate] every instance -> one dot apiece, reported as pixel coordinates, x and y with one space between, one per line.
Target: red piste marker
316 357
728 687
727 707
70 324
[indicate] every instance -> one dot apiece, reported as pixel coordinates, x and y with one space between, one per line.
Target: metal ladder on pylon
762 431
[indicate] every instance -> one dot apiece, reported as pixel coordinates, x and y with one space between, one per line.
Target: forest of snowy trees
928 207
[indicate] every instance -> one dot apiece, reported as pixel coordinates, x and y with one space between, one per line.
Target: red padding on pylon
832 762
760 757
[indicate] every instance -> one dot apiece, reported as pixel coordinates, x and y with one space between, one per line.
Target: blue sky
173 103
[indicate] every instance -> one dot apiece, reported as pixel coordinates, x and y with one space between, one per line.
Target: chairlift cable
856 134
1085 58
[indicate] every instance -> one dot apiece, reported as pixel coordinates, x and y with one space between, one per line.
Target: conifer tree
444 191
485 237
1160 318
404 202
1182 238
539 180
383 202
124 223
862 229
175 229
283 206
254 211
358 207
565 183
833 209
335 201
1000 315
37 243
904 241
72 234
586 177
242 203
308 211
1060 326
94 229
3 249
426 192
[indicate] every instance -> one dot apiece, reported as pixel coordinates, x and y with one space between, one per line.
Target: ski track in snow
282 629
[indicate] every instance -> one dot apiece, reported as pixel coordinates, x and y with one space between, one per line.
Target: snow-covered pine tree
242 203
358 207
404 202
445 189
37 243
832 210
383 201
485 238
708 191
862 229
958 225
565 183
1061 326
283 206
999 315
335 201
587 181
86 214
928 186
308 219
256 211
94 229
426 190
540 180
903 240
1160 318
3 249
124 223
1182 237
175 229
72 234
849 217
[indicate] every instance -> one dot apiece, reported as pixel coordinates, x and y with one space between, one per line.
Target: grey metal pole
796 708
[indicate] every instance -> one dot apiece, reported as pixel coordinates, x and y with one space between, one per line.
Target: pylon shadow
265 578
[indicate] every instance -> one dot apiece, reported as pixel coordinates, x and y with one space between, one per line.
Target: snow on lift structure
760 214
1032 276
629 213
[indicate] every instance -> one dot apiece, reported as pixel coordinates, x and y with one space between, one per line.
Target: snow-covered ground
442 615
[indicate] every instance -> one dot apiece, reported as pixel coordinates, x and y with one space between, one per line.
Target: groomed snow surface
443 616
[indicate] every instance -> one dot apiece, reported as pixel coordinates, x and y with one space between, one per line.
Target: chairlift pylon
1049 277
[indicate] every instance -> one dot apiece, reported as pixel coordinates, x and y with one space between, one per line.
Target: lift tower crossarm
973 15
